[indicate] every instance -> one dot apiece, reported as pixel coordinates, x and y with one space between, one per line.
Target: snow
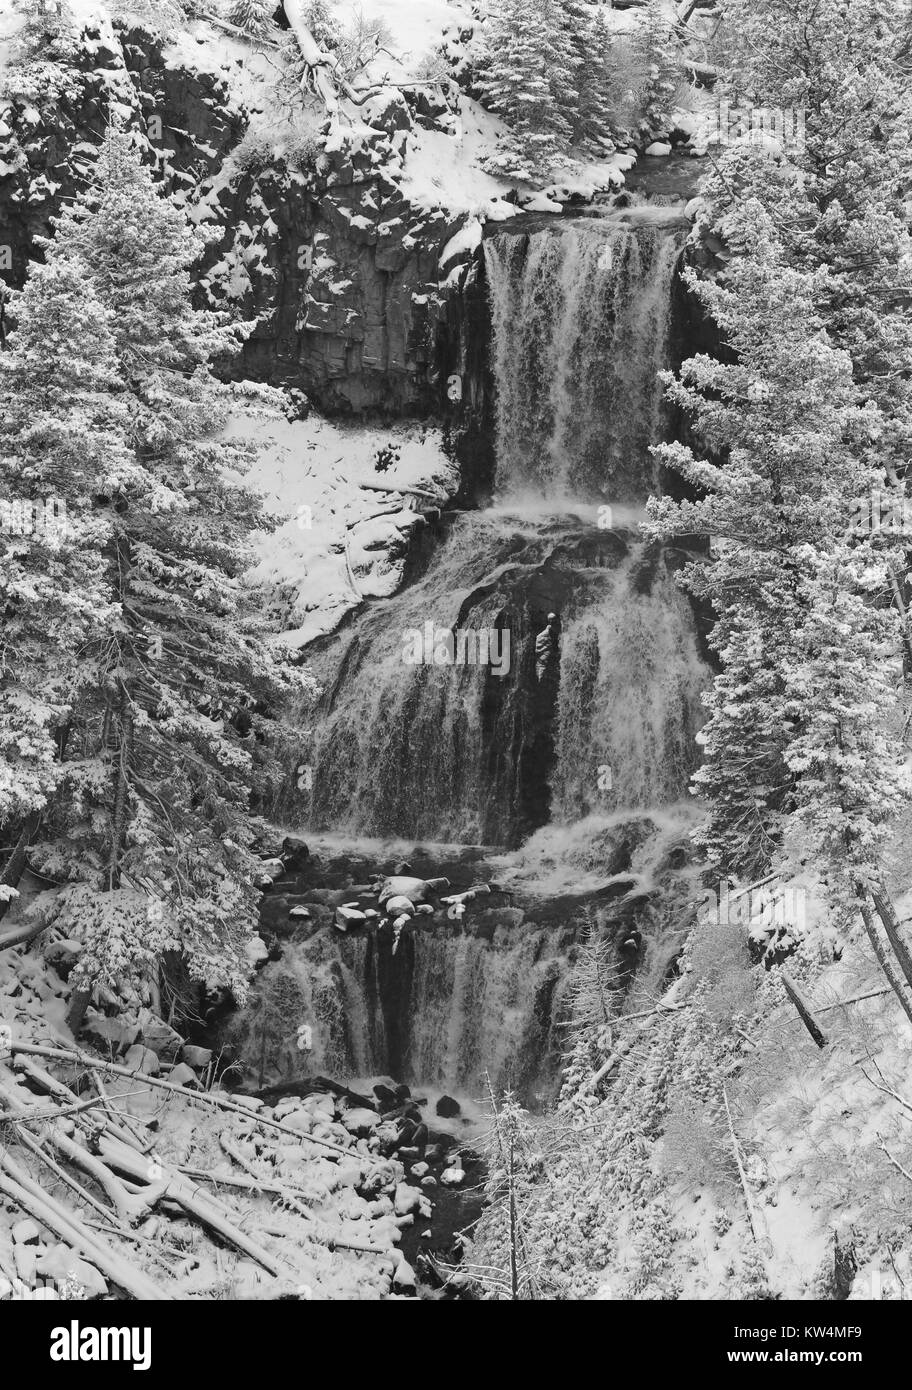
416 26
330 549
442 170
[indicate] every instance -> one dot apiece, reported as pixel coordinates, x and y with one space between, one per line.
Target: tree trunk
804 1008
887 914
13 869
886 965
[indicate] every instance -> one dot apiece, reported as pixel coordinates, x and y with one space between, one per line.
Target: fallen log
202 1207
16 1184
195 1097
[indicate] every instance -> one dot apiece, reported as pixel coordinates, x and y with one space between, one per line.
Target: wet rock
295 854
387 1098
447 1108
400 906
347 917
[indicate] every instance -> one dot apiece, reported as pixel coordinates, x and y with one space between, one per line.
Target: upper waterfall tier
580 314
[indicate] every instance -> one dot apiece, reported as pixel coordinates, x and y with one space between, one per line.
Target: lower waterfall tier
458 1000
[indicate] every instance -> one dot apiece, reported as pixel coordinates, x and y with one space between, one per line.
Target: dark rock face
340 270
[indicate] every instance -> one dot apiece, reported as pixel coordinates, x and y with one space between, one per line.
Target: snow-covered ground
343 526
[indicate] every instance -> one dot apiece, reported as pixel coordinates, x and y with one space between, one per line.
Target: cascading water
479 754
580 318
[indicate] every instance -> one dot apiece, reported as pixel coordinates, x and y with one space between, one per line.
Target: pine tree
833 191
168 750
251 15
62 440
590 43
785 422
656 58
527 75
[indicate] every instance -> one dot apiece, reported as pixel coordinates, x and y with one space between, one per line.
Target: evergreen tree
590 43
656 58
62 440
790 437
527 75
168 749
254 16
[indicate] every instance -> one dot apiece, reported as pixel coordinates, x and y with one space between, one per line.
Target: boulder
386 1097
295 854
196 1056
347 917
63 955
140 1058
447 1107
182 1075
109 1034
417 890
452 1177
404 1275
406 1199
359 1122
399 906
25 1232
301 912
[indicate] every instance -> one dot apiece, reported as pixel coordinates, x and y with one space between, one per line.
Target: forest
455 652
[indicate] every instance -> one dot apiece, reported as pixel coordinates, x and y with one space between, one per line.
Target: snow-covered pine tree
590 42
789 437
656 59
802 734
527 74
63 422
168 751
832 78
253 16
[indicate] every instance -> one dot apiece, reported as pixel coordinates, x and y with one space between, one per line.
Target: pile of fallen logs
78 1138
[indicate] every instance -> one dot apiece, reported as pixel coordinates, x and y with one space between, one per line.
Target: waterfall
568 774
580 316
